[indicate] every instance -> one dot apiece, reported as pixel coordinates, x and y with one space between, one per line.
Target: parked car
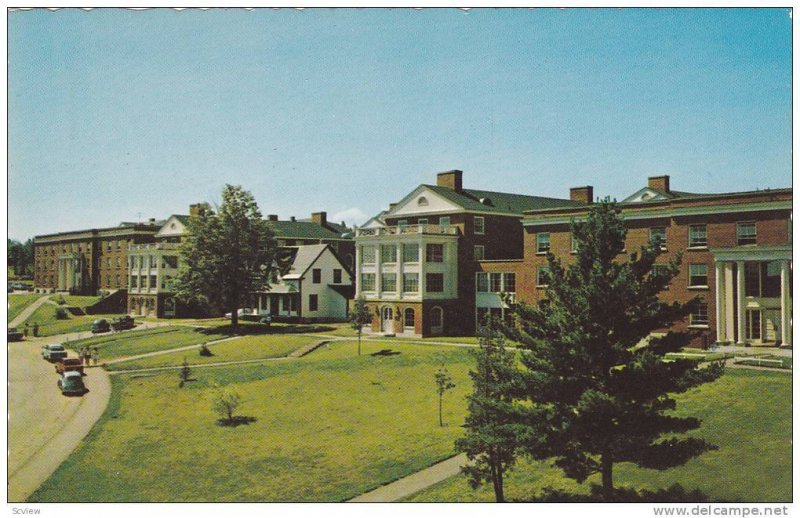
241 311
72 383
69 364
100 326
53 352
14 335
123 322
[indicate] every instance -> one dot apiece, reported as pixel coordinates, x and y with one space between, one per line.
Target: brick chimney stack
272 217
320 218
450 179
583 194
198 209
659 182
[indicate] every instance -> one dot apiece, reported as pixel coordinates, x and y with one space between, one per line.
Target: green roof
302 230
503 202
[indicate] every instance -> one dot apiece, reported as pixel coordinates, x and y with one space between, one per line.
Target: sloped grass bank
747 413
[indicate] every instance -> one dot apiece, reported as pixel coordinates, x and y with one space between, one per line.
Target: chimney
292 218
198 209
659 182
450 179
320 218
582 194
152 221
272 217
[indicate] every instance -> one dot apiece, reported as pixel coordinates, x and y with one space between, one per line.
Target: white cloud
352 216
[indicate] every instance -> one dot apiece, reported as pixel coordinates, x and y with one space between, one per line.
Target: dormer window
422 201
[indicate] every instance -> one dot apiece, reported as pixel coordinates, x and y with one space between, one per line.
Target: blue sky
116 112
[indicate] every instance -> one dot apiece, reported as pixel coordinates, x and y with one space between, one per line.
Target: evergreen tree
601 392
493 420
360 316
227 255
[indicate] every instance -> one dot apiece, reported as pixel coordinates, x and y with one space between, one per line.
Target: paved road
44 427
23 316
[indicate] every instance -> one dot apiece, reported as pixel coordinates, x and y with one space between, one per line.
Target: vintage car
71 383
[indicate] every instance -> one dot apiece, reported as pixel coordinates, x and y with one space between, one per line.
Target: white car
241 311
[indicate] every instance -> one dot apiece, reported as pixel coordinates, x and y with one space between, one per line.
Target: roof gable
305 257
423 200
174 226
647 194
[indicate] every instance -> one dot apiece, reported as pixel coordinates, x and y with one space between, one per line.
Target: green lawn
76 301
49 325
769 360
16 303
129 343
747 413
327 427
244 348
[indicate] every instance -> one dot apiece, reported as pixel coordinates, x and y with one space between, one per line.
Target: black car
100 326
123 322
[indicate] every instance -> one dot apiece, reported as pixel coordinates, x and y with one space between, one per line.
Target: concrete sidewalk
27 312
411 484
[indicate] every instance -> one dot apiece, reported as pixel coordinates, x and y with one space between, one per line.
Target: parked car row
18 286
101 325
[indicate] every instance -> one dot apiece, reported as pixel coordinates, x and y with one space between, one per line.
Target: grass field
747 413
49 325
129 343
76 301
767 360
327 427
17 303
243 348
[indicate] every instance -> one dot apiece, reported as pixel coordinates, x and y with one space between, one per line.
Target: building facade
416 262
88 262
736 251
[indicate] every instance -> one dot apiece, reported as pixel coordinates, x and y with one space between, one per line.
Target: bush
61 314
205 351
674 494
224 404
61 301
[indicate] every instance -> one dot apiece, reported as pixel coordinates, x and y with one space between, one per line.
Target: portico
753 295
70 272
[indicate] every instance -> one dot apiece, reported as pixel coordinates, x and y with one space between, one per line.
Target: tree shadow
236 420
248 328
674 494
385 352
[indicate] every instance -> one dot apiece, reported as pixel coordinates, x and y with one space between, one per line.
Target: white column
720 302
378 271
421 279
357 269
729 301
740 303
786 305
399 270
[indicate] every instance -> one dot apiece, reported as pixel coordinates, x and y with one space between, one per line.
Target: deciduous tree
226 255
360 316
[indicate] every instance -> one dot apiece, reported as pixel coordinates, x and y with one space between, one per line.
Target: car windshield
56 348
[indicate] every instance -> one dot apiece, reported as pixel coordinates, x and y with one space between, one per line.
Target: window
368 254
408 317
389 282
316 275
434 252
659 234
119 244
542 242
410 253
403 224
510 284
698 275
481 282
495 282
660 270
410 282
753 324
697 236
437 318
542 276
699 315
479 225
422 221
477 253
118 262
573 243
116 281
367 282
444 223
108 281
133 281
170 261
313 302
337 276
388 253
154 281
746 233
434 282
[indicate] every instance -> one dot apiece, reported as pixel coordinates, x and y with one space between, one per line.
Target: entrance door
772 325
387 320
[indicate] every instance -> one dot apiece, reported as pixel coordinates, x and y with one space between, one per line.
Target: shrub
205 351
224 404
61 314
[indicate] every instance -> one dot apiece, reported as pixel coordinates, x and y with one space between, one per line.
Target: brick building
736 256
416 262
88 261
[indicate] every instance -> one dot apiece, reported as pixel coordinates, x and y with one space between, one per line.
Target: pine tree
360 316
493 424
603 394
